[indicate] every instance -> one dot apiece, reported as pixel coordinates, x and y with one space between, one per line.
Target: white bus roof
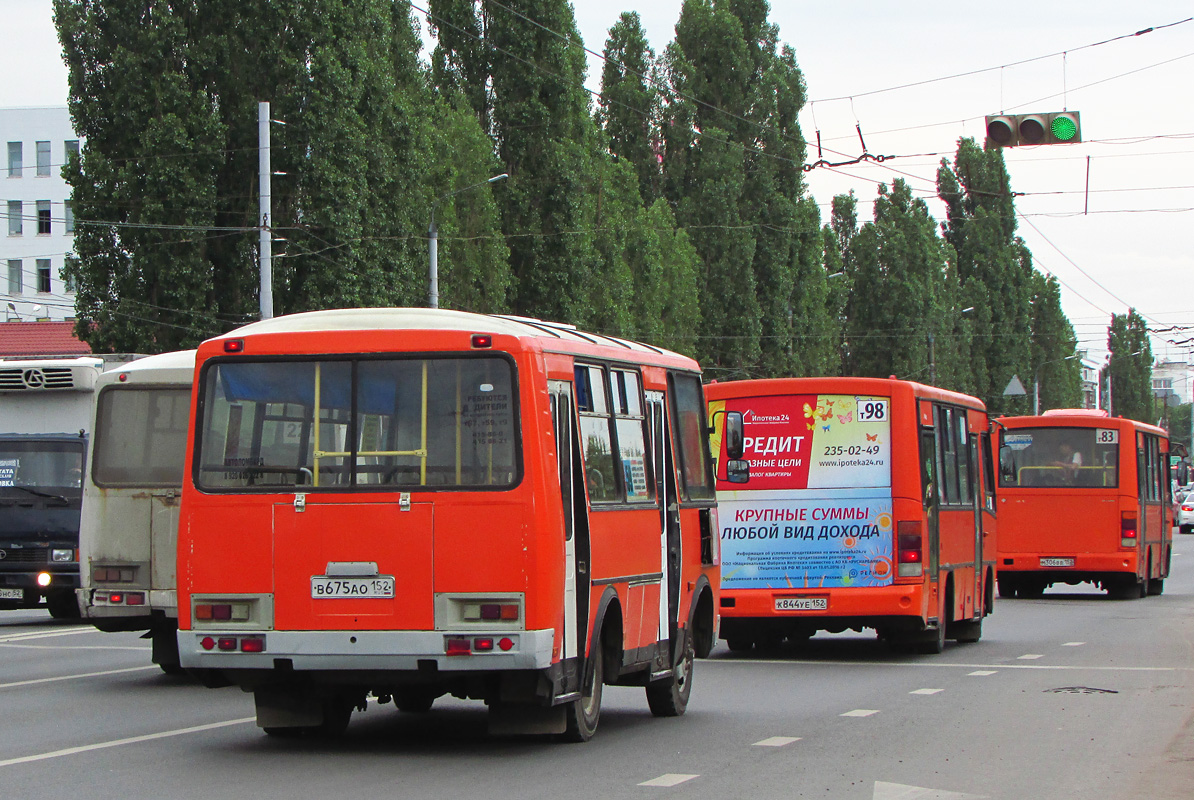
176 367
434 319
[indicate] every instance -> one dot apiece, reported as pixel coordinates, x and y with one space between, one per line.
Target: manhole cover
1081 690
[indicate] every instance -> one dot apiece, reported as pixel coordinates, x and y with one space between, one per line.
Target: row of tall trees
671 208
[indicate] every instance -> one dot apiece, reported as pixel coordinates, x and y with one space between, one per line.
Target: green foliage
1129 369
629 108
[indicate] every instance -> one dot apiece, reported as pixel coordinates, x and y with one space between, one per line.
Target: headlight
60 556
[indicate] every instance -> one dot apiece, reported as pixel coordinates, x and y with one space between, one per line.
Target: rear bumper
366 650
1127 561
162 604
844 605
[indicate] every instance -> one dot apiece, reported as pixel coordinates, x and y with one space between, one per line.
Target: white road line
21 637
670 779
982 672
73 677
70 751
1073 644
777 741
1029 656
925 691
860 712
811 663
74 647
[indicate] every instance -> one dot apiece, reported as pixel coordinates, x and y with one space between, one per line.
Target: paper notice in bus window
1018 441
807 542
814 441
8 471
635 469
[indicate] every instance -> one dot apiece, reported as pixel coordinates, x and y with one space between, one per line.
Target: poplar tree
1129 369
629 106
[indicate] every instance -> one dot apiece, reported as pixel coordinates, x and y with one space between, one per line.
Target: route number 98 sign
872 409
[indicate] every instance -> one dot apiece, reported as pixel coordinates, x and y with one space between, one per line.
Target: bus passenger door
670 541
931 497
576 598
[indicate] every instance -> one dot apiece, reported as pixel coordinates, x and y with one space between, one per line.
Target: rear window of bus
446 422
1059 457
141 437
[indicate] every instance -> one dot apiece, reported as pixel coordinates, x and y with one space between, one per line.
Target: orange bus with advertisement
859 503
1083 497
407 503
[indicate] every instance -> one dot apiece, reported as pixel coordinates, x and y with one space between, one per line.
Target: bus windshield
1059 457
382 422
33 467
141 437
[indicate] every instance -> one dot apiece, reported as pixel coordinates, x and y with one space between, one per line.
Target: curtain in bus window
630 426
962 445
947 456
141 437
1060 457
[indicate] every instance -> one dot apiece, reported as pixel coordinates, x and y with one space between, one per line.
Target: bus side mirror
735 435
1007 465
737 470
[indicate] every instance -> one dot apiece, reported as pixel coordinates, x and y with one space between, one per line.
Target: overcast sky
1133 248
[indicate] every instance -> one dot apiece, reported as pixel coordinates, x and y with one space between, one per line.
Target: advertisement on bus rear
816 511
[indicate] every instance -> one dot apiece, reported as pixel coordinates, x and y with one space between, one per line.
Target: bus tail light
482 340
222 612
458 646
229 644
909 550
1127 531
490 612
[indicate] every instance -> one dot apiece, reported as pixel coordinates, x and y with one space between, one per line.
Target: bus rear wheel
967 631
740 644
583 713
1127 588
1008 586
669 697
414 700
1156 586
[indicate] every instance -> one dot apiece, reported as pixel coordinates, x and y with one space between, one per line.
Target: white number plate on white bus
12 594
323 587
1057 562
801 603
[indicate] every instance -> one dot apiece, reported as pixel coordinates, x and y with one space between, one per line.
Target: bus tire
740 644
669 697
1008 586
583 713
1031 589
1126 588
1156 586
63 605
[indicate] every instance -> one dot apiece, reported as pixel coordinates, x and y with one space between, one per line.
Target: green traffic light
1063 128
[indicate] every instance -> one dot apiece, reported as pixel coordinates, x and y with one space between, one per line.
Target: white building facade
1171 379
38 231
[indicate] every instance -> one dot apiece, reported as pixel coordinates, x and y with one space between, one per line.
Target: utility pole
263 198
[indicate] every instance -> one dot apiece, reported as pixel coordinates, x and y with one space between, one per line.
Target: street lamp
1036 382
433 235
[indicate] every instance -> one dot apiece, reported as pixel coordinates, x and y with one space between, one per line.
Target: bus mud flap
523 719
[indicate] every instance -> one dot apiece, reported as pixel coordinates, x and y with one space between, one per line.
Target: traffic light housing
1018 130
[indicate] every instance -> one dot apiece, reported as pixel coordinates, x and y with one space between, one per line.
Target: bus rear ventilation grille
1081 690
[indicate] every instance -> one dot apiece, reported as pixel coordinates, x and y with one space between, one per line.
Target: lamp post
433 237
1036 382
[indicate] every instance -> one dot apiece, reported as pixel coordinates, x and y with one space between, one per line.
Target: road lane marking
777 741
982 672
70 751
670 779
1073 644
74 677
1029 656
925 691
953 665
860 712
25 636
75 647
902 791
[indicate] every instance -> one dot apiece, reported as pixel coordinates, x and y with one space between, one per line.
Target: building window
14 217
68 217
43 159
14 159
71 148
43 275
14 276
43 217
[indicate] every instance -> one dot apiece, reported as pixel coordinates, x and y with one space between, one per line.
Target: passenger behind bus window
1069 463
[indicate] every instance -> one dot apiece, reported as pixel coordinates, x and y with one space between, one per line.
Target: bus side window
595 436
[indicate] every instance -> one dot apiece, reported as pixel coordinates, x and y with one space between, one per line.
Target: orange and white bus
1083 497
410 503
863 503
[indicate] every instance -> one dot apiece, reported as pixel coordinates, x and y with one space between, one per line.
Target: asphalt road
1069 696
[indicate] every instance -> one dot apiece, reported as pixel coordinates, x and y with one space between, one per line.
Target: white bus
129 529
45 411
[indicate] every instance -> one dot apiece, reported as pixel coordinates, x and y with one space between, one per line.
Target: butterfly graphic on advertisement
825 428
844 418
812 426
872 437
809 411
